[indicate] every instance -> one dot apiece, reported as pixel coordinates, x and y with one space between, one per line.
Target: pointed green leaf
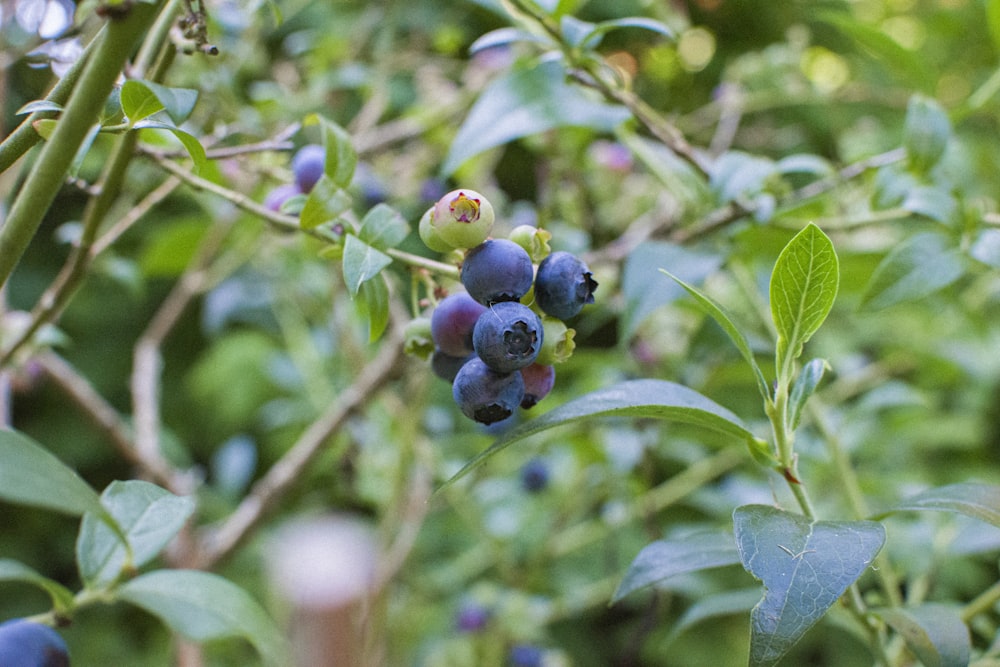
925 132
917 267
979 501
597 32
150 517
325 203
383 227
934 632
666 558
341 158
505 37
361 262
190 143
12 570
205 607
31 475
728 603
805 567
138 101
649 399
373 298
714 310
38 106
804 286
44 127
804 387
525 102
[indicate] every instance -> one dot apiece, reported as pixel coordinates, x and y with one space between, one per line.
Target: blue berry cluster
24 643
497 341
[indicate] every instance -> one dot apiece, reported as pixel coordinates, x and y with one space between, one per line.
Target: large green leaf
12 570
150 517
141 99
805 567
204 607
804 286
525 102
362 262
666 558
189 141
383 227
31 475
979 501
919 266
650 399
934 632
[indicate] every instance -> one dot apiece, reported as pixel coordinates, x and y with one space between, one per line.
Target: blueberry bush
499 332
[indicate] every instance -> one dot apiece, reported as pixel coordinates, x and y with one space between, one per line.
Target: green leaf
919 266
150 517
361 262
38 106
728 603
190 143
648 399
525 102
926 131
736 175
666 558
138 101
383 227
597 33
373 300
325 203
714 310
31 475
805 567
805 163
934 632
205 607
973 499
993 22
12 570
507 36
341 158
645 292
934 203
44 127
803 288
804 387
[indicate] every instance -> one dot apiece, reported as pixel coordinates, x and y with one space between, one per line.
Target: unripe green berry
463 218
557 342
429 235
534 240
417 338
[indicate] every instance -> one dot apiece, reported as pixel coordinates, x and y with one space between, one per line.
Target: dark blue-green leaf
716 605
973 499
37 106
925 132
934 632
525 102
31 475
805 567
804 387
650 399
205 607
666 558
919 266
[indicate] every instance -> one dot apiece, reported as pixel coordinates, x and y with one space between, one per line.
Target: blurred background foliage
913 394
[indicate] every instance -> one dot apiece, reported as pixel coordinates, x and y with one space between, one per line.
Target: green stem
24 137
49 172
420 262
985 601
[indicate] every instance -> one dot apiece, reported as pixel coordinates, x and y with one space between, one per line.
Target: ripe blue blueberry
485 395
535 475
563 285
446 366
538 382
452 323
279 195
307 165
497 270
24 643
471 617
526 655
508 336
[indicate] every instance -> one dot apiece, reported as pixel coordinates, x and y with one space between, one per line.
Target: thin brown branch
218 542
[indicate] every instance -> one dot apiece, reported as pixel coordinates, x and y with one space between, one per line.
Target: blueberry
463 218
471 617
508 336
446 366
308 165
497 270
563 285
535 475
24 643
452 323
279 195
485 395
526 655
538 382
